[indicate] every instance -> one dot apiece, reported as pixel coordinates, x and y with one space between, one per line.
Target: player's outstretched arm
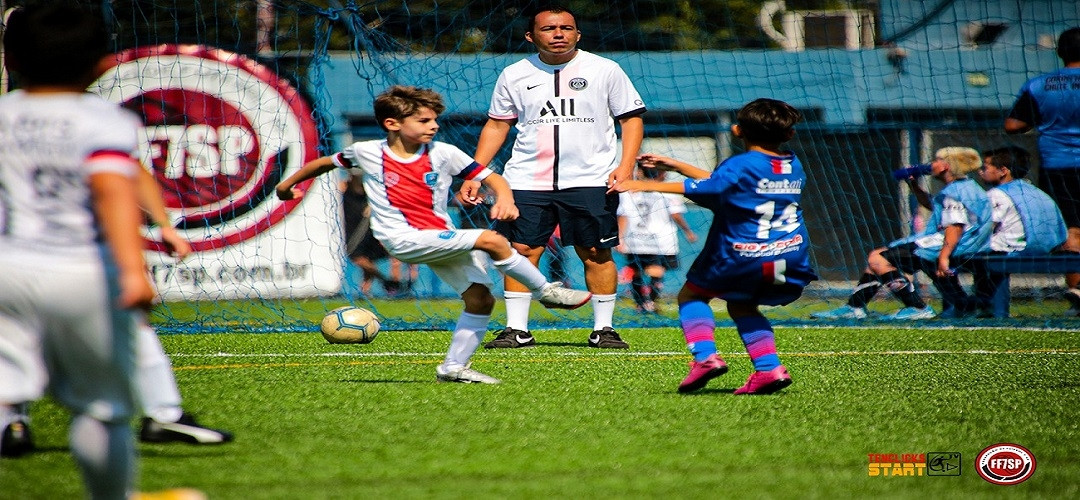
680 221
286 189
115 202
492 137
1014 126
650 160
504 207
921 196
151 201
633 132
652 186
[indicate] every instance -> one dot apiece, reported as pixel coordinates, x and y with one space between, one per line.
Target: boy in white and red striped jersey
407 179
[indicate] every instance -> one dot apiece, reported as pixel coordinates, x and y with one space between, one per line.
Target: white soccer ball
350 325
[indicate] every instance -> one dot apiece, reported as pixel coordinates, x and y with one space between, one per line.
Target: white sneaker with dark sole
185 430
556 296
463 375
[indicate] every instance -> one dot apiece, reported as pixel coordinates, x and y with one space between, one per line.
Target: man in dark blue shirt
1050 103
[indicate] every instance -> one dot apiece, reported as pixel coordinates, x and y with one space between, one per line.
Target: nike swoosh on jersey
530 87
605 240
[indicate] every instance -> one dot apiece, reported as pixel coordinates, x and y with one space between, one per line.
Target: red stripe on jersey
781 165
407 191
109 154
768 271
471 171
339 160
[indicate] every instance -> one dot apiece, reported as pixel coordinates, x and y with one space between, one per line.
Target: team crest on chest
578 83
431 178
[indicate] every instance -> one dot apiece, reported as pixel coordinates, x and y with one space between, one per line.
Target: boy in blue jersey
756 252
1050 103
959 226
1026 221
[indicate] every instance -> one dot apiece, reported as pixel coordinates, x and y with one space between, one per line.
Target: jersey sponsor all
565 120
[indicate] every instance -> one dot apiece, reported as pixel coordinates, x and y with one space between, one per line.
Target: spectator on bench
959 226
1026 221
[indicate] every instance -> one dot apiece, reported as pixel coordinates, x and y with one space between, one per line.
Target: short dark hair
1014 158
546 7
767 121
54 43
401 101
1068 46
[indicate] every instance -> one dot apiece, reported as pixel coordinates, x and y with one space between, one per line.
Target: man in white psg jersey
564 103
71 262
407 179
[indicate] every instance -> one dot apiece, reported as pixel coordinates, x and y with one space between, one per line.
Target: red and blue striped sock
698 325
757 336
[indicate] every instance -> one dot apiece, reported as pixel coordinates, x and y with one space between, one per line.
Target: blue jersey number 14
786 221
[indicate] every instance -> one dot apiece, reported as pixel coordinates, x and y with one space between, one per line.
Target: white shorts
449 253
59 328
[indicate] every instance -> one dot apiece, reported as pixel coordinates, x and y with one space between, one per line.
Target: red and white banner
220 132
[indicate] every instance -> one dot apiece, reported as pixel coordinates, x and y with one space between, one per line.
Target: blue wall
842 83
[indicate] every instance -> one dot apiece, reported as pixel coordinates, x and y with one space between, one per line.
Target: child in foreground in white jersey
71 265
407 178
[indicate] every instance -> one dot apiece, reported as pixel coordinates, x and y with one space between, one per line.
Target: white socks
518 267
517 309
468 333
603 310
105 452
157 395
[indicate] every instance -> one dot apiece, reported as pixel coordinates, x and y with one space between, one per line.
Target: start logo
896 464
1005 464
220 131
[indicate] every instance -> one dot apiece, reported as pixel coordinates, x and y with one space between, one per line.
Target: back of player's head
542 7
1068 46
54 43
652 173
962 161
1014 158
401 101
767 121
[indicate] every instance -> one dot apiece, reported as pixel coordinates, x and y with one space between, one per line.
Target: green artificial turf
315 420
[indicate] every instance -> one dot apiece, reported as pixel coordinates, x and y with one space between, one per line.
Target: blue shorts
585 217
751 289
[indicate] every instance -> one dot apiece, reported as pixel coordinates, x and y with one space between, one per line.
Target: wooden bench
1002 265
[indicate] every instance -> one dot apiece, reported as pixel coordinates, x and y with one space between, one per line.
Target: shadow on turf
702 392
384 381
562 344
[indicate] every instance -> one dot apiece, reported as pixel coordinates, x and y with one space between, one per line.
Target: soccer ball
350 325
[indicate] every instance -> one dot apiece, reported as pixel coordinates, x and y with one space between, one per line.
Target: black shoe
185 430
15 441
607 338
511 338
